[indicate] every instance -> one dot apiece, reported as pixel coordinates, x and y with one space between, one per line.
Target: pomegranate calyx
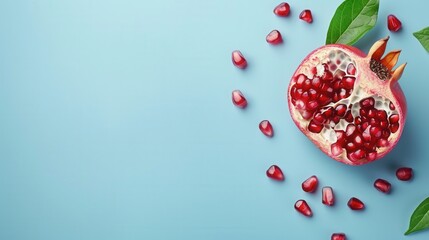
391 59
378 48
397 73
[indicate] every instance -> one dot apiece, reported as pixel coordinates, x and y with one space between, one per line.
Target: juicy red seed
266 128
350 129
238 99
306 16
357 155
327 76
371 156
340 110
367 102
393 23
355 204
282 10
351 69
275 173
375 132
382 185
391 106
274 37
238 59
316 82
404 173
394 118
314 127
302 207
382 143
349 116
328 196
312 105
348 82
319 118
310 184
381 115
336 149
338 236
394 127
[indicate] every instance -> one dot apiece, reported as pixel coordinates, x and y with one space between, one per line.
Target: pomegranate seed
341 110
338 236
404 173
266 128
314 127
393 23
282 10
310 184
302 207
394 118
306 16
274 38
328 196
382 185
238 59
367 102
238 99
355 204
351 69
275 173
391 106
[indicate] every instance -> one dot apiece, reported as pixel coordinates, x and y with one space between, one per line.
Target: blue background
116 123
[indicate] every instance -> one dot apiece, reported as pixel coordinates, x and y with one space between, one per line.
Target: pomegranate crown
382 66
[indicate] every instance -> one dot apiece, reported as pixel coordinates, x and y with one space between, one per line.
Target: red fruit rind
349 104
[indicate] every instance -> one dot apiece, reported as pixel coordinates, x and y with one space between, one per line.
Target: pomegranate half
349 104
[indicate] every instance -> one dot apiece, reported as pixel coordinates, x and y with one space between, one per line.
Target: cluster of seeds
310 186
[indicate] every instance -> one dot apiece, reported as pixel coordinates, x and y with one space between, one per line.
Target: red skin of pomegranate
369 84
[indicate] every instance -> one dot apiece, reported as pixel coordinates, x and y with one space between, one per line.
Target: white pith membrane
341 61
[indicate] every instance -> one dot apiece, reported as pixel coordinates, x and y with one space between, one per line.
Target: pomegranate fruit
349 104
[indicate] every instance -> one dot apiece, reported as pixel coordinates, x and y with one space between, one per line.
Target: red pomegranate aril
382 143
274 37
338 236
391 106
382 185
328 196
275 173
375 132
382 115
348 82
238 59
371 156
393 23
340 110
350 129
394 127
306 15
404 173
266 128
394 118
238 99
310 185
336 149
351 69
302 207
314 127
282 10
355 204
367 102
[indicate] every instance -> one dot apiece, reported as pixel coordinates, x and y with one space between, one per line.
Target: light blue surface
116 123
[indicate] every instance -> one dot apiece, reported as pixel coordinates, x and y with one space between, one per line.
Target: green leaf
420 218
423 37
352 20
